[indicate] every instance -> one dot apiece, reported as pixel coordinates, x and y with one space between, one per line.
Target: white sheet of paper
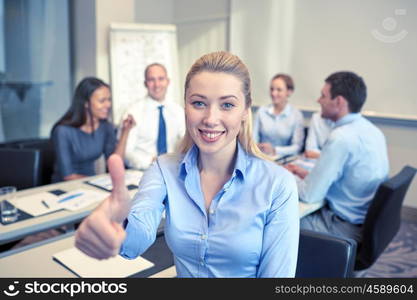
115 267
77 199
33 204
305 163
305 209
131 177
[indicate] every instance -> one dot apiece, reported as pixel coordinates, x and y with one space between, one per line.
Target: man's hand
101 234
311 154
297 170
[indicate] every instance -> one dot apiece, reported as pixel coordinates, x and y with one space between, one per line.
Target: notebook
115 267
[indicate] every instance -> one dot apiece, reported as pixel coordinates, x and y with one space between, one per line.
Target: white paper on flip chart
115 267
77 199
36 204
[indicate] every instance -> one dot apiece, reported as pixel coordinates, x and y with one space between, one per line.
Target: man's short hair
152 65
350 86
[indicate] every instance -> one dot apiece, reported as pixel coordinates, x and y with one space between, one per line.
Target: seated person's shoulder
343 138
263 109
63 130
340 135
295 109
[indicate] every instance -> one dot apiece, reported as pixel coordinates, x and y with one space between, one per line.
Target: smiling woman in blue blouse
84 133
229 211
279 126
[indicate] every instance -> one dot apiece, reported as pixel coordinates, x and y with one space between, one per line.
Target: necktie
162 134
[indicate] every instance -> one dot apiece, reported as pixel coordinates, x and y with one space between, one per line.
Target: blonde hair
225 62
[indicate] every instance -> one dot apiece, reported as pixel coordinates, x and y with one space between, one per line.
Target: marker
45 204
70 197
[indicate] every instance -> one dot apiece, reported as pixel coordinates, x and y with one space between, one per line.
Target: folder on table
115 267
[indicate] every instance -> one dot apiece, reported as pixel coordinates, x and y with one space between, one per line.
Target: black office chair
383 218
20 167
323 255
305 139
46 151
47 154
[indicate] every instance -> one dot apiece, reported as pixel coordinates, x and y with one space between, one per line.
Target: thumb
117 174
119 199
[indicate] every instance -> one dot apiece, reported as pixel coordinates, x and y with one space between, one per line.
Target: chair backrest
383 218
303 148
324 255
47 155
20 167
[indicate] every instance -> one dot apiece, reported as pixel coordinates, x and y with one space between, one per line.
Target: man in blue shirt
352 164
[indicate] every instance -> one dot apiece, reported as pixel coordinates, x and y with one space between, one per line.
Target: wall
83 36
55 64
92 19
107 12
37 51
154 11
202 27
311 39
2 61
348 41
402 150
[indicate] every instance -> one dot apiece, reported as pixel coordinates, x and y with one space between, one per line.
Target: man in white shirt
318 132
144 143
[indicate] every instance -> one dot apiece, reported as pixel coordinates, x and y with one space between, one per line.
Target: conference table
35 260
18 230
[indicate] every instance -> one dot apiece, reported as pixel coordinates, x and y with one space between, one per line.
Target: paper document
305 163
76 199
132 177
36 204
305 209
85 266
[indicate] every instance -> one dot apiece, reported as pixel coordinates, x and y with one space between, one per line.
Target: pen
45 204
70 197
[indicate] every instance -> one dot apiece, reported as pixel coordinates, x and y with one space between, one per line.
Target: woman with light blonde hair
229 211
218 62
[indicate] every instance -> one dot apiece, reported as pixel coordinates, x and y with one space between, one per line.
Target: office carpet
400 257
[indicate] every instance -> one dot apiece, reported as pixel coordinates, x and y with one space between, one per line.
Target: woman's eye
227 105
198 104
